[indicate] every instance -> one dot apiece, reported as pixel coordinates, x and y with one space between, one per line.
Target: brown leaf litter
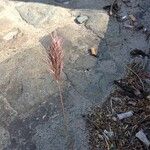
124 117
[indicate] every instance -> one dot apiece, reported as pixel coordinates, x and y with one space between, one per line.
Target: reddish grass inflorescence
55 63
55 56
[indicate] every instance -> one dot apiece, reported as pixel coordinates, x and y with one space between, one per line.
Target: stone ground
30 109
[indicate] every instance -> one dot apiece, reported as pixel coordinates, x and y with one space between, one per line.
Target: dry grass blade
55 63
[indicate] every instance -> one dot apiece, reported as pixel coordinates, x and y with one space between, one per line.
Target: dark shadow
72 4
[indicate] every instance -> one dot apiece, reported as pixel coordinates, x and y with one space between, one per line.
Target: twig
95 125
111 106
106 141
111 8
137 76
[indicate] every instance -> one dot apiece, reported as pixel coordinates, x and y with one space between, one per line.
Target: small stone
132 17
143 138
125 115
81 19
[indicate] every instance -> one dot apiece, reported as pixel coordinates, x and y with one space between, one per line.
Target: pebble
81 19
125 115
142 137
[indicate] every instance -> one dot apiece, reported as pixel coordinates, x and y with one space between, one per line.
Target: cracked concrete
32 118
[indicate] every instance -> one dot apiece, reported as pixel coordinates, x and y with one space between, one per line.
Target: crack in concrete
90 29
74 87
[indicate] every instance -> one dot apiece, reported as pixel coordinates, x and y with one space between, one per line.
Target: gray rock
81 19
25 79
35 14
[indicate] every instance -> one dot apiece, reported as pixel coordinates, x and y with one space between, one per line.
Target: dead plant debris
123 121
